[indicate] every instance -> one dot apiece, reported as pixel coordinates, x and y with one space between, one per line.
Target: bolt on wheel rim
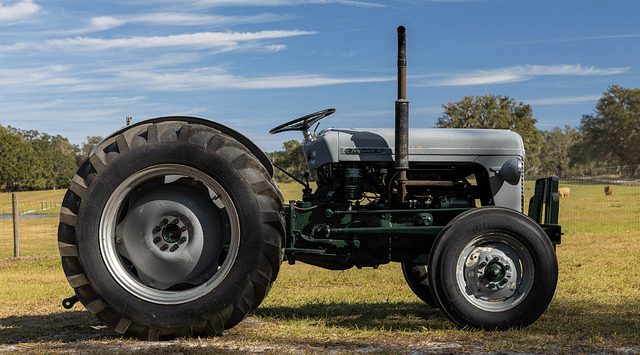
169 234
495 272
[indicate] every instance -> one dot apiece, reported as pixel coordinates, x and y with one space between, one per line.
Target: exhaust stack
402 118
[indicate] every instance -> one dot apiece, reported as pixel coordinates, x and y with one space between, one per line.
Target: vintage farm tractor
174 226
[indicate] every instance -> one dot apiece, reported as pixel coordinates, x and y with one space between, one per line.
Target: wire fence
602 199
38 226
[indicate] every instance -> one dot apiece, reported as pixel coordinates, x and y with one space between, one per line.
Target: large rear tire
171 229
493 268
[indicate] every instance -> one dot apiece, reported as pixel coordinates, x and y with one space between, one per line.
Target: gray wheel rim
495 272
163 234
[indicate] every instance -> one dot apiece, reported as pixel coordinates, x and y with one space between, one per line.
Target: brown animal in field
564 192
608 190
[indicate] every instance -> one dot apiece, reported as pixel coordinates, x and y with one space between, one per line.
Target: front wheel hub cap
495 271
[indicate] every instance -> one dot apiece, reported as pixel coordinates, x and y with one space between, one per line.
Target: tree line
610 136
30 160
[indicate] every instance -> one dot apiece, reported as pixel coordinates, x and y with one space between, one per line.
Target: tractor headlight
511 171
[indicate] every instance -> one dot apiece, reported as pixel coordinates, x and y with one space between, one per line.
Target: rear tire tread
150 135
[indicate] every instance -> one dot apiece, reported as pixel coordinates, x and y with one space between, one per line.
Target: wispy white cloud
52 78
69 79
214 78
629 35
564 100
182 19
49 75
356 3
213 3
203 40
14 47
451 0
17 10
520 73
86 104
103 23
564 69
577 38
480 78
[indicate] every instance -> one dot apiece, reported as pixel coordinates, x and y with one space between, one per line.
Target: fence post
16 226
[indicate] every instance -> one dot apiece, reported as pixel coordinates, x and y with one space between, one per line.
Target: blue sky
78 68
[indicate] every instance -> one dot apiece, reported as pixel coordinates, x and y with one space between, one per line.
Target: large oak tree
612 132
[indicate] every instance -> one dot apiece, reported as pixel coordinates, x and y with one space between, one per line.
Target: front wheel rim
495 272
189 243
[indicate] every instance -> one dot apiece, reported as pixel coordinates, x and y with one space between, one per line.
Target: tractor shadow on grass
406 316
63 327
80 325
570 317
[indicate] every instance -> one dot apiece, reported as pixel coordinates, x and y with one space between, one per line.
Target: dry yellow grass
38 237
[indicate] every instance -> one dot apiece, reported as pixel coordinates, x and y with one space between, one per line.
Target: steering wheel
302 123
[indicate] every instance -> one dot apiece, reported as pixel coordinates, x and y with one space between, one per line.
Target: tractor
175 226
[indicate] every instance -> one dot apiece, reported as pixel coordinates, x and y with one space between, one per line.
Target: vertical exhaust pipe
402 118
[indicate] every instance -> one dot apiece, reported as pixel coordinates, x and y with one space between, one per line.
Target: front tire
493 268
171 229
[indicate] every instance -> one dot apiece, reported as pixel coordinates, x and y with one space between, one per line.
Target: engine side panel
489 148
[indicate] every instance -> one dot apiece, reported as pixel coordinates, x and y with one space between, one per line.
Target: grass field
596 308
